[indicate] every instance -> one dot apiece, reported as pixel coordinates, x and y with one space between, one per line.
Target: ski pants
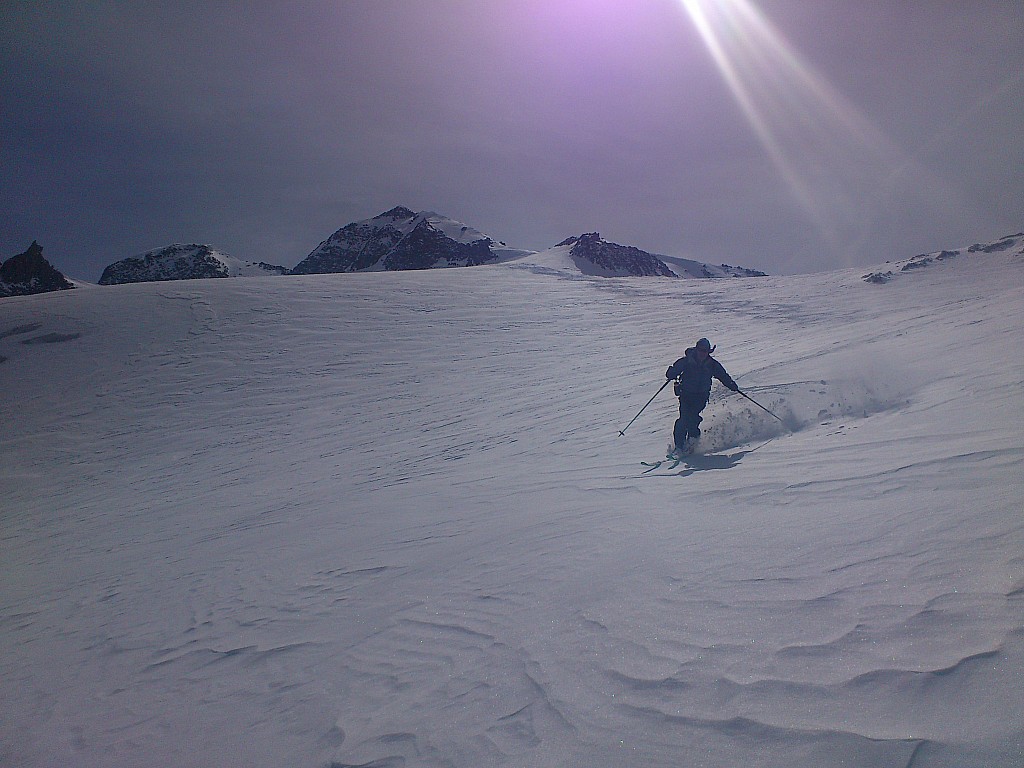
688 423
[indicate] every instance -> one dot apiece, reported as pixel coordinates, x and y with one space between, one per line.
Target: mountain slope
591 255
1012 243
594 256
387 519
183 262
692 268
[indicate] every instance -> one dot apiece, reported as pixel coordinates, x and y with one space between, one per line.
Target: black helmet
705 345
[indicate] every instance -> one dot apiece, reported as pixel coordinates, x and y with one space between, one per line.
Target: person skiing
693 373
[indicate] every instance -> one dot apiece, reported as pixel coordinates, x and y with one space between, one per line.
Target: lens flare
838 167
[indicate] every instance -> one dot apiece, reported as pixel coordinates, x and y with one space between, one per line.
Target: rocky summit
401 239
29 273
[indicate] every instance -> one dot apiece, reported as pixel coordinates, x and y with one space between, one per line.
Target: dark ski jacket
695 376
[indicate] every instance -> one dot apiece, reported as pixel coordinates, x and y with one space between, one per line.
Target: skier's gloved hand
670 374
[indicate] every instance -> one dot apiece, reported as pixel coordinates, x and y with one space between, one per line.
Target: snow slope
386 519
699 269
595 257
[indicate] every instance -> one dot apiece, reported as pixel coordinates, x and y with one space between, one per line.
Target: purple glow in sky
777 134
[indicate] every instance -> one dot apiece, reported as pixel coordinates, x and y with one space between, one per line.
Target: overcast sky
785 135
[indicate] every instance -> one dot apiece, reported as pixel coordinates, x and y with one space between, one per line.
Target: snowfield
386 519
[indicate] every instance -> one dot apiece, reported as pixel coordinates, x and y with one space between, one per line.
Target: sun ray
754 112
834 162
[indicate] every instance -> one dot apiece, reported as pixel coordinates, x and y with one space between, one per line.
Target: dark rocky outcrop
29 273
181 261
596 256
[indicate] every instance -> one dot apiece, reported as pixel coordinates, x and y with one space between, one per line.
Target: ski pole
759 405
622 431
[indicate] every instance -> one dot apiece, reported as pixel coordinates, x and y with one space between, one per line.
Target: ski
671 460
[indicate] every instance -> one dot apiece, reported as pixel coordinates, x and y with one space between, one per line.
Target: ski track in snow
387 520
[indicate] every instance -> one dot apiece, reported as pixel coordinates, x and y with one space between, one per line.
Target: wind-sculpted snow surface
386 519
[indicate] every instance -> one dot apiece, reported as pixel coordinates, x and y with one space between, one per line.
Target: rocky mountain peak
402 239
398 212
29 273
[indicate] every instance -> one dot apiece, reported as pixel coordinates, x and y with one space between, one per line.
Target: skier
693 373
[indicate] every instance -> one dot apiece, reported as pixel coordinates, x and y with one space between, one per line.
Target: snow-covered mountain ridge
1014 243
401 239
181 261
590 254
